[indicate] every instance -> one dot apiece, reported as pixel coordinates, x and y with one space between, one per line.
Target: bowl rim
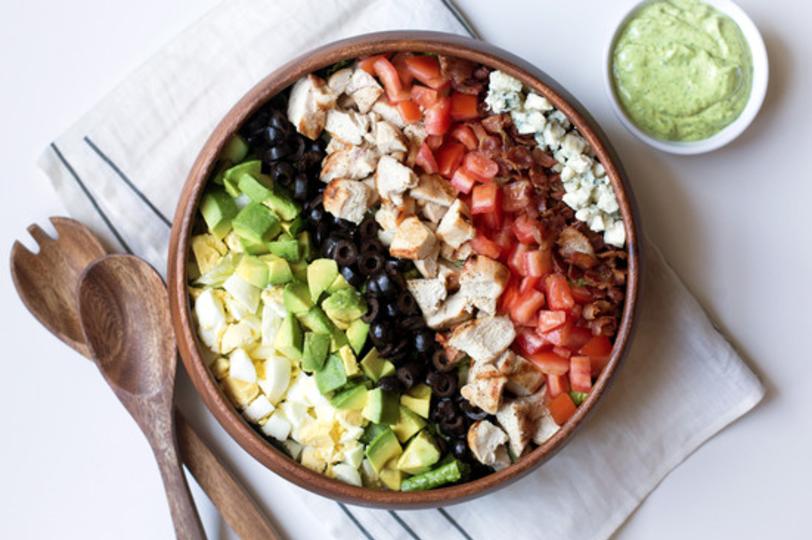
179 249
758 91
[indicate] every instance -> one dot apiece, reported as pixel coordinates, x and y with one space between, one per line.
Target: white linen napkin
120 169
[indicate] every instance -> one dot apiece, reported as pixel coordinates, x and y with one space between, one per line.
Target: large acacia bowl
179 249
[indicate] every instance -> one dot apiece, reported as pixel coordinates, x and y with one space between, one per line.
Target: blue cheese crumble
586 186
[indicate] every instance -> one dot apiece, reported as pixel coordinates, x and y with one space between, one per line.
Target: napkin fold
120 169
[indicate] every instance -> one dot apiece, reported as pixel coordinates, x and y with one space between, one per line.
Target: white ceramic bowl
760 76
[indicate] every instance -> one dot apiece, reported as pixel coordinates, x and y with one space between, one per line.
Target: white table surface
735 224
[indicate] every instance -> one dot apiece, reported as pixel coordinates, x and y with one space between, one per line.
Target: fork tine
38 234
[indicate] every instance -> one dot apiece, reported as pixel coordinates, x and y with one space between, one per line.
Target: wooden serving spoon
124 310
46 283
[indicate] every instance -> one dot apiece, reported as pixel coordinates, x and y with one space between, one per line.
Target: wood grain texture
179 249
123 308
46 283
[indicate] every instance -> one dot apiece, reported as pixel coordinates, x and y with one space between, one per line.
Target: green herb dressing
682 70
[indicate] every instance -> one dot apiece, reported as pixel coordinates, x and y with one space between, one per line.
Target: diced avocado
420 454
256 224
338 283
320 274
287 249
331 376
299 269
315 320
337 338
296 298
219 211
372 431
254 187
232 175
305 245
279 271
253 270
417 399
288 340
357 335
220 171
344 306
381 407
391 478
350 363
282 205
407 425
293 227
315 351
235 149
353 398
384 446
447 473
376 367
208 250
253 248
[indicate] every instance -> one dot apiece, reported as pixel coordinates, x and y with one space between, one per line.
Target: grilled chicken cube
483 339
388 112
435 189
393 179
388 138
454 311
364 90
347 126
523 377
354 163
455 229
412 240
309 100
428 293
487 444
515 417
432 212
428 266
347 199
339 81
485 386
482 281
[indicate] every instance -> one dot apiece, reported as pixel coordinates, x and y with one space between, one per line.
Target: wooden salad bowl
185 215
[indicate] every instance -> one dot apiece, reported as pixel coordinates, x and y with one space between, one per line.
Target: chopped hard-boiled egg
241 367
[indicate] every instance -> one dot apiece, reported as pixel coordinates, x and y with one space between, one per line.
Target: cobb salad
408 270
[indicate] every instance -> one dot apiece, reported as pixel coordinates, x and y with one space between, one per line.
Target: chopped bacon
462 73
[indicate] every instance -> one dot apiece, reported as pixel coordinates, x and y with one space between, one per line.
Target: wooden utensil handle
237 506
181 506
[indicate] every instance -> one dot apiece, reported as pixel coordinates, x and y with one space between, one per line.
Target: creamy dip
682 70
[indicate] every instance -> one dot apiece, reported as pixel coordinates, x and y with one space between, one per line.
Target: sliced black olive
444 410
380 332
385 283
368 229
372 288
443 384
320 235
409 374
472 411
278 120
370 264
460 449
328 247
391 310
317 146
415 322
397 266
278 151
273 135
298 144
343 224
345 253
352 276
373 310
282 173
300 187
406 303
440 361
423 340
315 214
373 245
454 426
390 383
385 349
399 352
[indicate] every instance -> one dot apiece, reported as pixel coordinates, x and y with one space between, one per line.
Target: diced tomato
567 335
464 106
550 320
424 96
367 64
580 374
426 69
438 117
557 385
435 141
518 195
425 159
465 135
479 131
527 306
529 283
576 311
581 295
390 79
550 363
493 220
509 296
485 246
486 199
527 229
598 364
561 408
598 349
516 260
558 292
449 156
527 342
504 237
462 181
409 111
399 61
481 165
561 351
535 263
